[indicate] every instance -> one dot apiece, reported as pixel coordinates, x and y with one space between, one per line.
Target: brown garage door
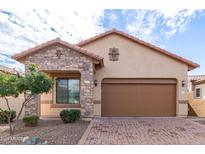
138 97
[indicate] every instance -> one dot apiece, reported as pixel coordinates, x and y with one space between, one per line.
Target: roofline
202 75
25 53
191 65
8 70
199 82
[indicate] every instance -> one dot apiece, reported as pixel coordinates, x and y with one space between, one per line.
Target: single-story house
111 74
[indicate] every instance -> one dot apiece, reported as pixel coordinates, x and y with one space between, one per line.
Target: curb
86 133
197 123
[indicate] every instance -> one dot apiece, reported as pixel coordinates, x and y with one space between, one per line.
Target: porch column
33 106
87 92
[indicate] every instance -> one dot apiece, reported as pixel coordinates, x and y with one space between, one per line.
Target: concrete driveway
143 131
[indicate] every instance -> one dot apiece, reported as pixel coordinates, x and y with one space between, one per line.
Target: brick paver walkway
143 131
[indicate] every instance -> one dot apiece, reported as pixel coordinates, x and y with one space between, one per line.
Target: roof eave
191 65
199 82
19 56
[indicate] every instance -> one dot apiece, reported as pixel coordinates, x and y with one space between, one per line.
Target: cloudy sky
179 31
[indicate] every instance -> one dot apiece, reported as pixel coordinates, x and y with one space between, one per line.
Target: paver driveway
143 131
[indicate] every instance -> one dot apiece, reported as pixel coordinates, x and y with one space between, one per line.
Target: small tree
33 83
8 87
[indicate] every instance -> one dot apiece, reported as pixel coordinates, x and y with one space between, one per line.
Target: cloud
151 25
113 17
142 23
22 29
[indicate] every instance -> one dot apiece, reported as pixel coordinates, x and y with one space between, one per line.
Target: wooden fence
196 106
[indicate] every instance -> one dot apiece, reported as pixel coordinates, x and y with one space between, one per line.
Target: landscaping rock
33 141
55 132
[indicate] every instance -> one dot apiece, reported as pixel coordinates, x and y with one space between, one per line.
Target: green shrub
3 117
64 115
76 113
31 120
69 116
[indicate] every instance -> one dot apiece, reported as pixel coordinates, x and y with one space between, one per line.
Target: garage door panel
125 99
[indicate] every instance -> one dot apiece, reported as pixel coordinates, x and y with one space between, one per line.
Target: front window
67 91
198 92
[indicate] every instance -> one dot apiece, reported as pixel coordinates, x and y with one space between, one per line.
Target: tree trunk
11 129
9 117
15 123
9 121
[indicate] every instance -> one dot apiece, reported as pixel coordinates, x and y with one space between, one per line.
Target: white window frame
200 92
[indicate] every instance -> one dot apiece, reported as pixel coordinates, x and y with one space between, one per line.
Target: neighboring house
6 70
197 95
15 103
196 85
199 89
111 74
192 79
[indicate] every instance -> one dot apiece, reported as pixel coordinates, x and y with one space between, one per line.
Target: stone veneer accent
32 108
58 57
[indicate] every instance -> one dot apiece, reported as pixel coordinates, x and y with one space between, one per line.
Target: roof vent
114 54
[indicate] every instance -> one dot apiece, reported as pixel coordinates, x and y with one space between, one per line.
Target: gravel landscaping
52 131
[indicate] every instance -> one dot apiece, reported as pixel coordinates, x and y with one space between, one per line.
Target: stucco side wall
15 104
137 61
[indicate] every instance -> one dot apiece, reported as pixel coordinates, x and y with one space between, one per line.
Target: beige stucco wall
15 104
48 111
47 97
137 61
189 85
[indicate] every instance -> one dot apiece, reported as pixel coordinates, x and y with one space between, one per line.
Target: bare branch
9 117
7 103
23 105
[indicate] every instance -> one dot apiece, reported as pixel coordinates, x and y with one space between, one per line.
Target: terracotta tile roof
9 70
6 69
199 82
196 77
191 65
59 41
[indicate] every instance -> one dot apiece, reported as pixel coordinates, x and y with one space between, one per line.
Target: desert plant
69 116
75 113
4 114
64 115
31 120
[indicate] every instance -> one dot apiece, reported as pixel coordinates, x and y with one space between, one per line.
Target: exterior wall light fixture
183 83
95 82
